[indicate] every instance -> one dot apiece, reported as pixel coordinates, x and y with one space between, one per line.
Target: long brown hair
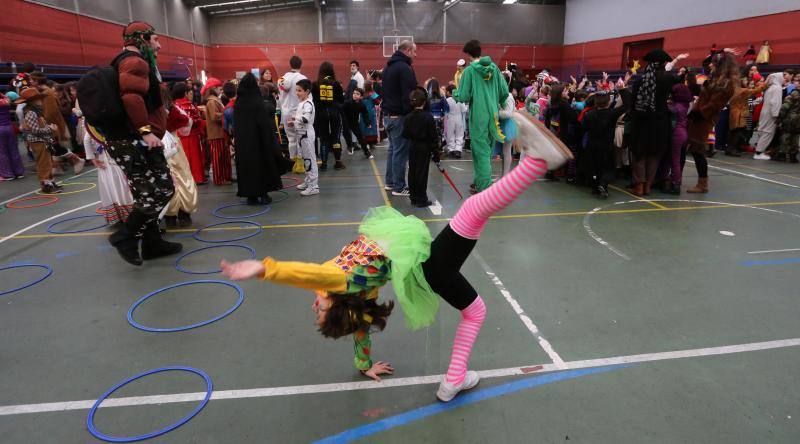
345 316
725 70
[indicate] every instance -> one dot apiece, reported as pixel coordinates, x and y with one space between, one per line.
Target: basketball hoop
392 42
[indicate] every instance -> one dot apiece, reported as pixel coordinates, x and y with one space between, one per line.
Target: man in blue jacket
398 81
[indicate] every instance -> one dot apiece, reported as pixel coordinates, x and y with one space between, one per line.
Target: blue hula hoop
29 284
186 327
100 435
196 234
183 256
51 230
217 211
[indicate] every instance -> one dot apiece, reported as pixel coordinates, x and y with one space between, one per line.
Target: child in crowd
302 124
369 127
419 128
599 124
355 110
438 106
454 124
509 129
38 135
220 154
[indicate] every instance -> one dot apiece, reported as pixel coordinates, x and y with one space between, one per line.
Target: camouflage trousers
148 177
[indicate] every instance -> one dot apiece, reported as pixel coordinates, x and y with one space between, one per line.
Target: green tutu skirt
407 242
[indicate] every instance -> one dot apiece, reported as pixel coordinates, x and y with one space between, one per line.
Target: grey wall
369 21
177 19
588 20
497 23
287 26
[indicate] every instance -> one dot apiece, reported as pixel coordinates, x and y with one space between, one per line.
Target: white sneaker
302 186
78 167
388 188
449 391
405 192
761 156
539 142
309 192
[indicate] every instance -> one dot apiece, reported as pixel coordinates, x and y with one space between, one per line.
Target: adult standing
768 121
288 101
135 144
650 120
714 95
398 81
483 88
183 97
259 163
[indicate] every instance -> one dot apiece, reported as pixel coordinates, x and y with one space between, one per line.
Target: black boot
171 221
265 199
125 240
184 219
154 246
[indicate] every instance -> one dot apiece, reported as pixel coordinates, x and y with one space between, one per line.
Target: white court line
456 168
11 236
543 342
31 192
436 208
773 251
752 176
395 382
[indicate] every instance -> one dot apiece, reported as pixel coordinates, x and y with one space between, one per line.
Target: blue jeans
398 154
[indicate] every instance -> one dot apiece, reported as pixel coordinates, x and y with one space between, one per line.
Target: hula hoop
91 187
184 255
296 182
285 196
13 205
216 211
186 327
100 435
51 230
29 284
196 234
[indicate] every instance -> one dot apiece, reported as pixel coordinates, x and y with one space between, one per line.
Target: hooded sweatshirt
398 81
773 96
483 87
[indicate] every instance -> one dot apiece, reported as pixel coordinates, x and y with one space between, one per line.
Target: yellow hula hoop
90 187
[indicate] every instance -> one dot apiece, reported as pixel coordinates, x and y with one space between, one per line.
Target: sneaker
602 191
309 192
539 143
302 186
350 150
370 156
78 167
761 156
50 188
21 176
388 187
449 391
403 192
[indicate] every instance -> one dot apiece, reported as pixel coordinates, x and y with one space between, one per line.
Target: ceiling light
413 1
228 3
509 2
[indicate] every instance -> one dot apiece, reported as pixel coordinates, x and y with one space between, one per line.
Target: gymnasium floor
623 320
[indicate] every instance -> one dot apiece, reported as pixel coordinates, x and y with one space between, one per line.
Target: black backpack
99 95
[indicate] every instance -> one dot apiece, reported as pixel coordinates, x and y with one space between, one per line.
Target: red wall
782 30
48 36
45 35
433 60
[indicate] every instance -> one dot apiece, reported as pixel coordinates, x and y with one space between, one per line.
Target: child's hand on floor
379 368
239 271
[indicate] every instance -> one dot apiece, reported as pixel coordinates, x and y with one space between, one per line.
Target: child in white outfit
303 124
454 125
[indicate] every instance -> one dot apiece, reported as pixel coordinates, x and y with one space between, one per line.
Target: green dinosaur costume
483 87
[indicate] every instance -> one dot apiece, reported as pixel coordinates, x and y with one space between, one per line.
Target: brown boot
646 188
638 189
701 187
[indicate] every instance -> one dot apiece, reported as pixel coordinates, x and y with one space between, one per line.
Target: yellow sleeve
327 277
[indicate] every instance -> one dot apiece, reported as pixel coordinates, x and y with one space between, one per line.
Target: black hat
657 55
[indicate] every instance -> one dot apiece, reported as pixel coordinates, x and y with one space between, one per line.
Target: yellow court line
622 190
379 179
440 219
